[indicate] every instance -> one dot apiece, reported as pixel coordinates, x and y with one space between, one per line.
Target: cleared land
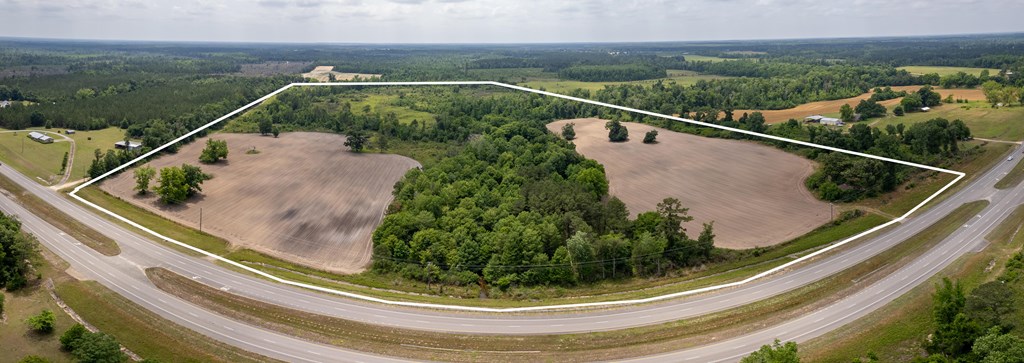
1004 123
86 143
682 77
41 162
754 193
323 74
302 198
945 71
830 107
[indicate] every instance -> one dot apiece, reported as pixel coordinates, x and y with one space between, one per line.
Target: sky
494 21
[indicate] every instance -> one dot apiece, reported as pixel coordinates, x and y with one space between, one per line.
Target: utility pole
200 219
831 212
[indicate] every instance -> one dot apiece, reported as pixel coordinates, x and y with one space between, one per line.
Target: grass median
1014 177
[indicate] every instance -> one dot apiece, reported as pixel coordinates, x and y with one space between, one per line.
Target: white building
130 146
824 120
40 137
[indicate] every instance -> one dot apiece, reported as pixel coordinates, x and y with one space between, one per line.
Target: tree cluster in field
177 184
569 131
885 93
616 132
17 249
87 346
997 94
924 97
214 151
847 178
104 162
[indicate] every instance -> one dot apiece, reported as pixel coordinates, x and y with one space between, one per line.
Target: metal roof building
40 137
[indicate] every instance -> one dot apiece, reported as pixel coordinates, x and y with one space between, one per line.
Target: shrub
69 340
43 322
649 138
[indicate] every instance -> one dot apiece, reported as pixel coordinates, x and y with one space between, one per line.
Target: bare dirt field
322 74
304 198
826 107
754 193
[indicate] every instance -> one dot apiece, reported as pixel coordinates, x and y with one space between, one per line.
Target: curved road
124 274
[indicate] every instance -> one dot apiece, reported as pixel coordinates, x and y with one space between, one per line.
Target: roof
5 103
130 144
39 136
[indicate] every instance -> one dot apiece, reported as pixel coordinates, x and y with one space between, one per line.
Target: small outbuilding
69 132
4 104
40 137
926 109
129 145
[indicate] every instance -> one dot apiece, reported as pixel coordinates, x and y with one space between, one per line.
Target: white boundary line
73 193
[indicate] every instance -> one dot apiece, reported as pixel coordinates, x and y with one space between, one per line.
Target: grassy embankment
568 347
41 162
896 332
945 71
1014 177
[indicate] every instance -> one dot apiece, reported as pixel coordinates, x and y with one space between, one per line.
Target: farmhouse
824 120
128 145
39 137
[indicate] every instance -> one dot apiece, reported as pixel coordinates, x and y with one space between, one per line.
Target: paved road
124 274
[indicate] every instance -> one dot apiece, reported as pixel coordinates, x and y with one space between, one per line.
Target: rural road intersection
125 275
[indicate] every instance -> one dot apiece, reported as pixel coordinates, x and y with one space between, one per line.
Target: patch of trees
868 109
616 132
611 73
924 97
11 94
997 94
177 184
104 162
87 346
569 131
520 207
776 352
16 250
847 178
214 151
882 94
651 137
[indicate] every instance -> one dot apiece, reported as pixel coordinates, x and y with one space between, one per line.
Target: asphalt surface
125 275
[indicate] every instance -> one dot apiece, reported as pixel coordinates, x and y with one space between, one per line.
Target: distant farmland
303 197
832 107
754 193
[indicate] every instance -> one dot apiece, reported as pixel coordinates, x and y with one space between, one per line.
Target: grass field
86 143
721 181
384 104
897 331
17 340
685 78
41 162
945 71
1004 123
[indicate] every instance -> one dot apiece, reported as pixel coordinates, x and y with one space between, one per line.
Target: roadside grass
897 332
1014 177
88 236
565 347
86 143
1004 123
41 162
945 71
393 286
17 339
926 183
141 330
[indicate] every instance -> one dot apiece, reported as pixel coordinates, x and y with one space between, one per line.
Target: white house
130 146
